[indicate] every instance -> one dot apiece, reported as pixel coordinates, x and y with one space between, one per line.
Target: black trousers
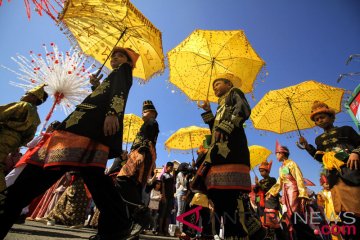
130 191
35 180
226 206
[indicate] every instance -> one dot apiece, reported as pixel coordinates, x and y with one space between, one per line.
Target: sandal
184 236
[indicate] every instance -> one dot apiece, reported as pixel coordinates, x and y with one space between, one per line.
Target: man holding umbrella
227 163
84 141
338 149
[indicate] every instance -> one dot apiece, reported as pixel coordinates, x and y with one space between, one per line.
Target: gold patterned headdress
39 92
320 107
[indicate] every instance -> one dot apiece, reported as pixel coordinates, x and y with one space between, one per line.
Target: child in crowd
155 197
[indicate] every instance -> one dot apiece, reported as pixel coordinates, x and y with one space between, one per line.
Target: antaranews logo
196 210
347 226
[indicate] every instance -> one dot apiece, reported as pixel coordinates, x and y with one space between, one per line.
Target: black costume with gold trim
337 139
148 133
109 98
81 144
228 176
139 167
231 157
344 184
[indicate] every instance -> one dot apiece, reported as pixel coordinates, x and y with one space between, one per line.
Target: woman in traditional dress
294 197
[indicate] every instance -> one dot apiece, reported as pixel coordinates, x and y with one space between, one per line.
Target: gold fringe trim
62 13
141 16
74 43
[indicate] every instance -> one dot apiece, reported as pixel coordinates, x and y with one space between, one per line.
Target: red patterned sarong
69 149
139 165
229 176
26 158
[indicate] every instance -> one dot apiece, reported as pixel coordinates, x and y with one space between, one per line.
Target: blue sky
299 41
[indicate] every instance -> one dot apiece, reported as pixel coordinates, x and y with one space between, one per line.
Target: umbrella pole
127 139
292 112
212 67
297 126
107 58
192 150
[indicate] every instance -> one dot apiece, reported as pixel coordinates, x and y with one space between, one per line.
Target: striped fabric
229 176
68 149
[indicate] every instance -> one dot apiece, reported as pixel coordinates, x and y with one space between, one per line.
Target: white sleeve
34 141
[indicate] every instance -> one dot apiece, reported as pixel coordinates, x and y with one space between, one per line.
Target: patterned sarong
229 176
69 149
139 165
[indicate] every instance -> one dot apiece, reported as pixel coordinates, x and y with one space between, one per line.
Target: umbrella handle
127 140
205 105
107 58
212 67
292 112
302 147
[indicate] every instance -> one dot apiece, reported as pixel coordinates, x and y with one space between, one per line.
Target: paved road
38 231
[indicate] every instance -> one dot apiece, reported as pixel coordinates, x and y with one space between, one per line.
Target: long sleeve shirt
20 117
109 98
233 110
289 167
155 197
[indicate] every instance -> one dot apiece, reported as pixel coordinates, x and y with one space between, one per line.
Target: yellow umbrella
258 154
288 109
132 124
97 26
187 138
205 54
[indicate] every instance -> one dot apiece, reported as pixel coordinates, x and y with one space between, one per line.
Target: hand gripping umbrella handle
300 146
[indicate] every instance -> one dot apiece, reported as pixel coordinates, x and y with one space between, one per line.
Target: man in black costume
85 140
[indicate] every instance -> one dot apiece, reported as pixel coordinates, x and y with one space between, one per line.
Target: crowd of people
62 178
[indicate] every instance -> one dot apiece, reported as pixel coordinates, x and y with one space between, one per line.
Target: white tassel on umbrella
65 76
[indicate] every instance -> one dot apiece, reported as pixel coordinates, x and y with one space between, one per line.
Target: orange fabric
26 158
266 165
261 194
229 176
270 218
346 198
69 149
139 165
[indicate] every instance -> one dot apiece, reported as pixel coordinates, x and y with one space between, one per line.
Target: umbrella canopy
288 109
186 138
258 154
97 26
132 124
204 54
